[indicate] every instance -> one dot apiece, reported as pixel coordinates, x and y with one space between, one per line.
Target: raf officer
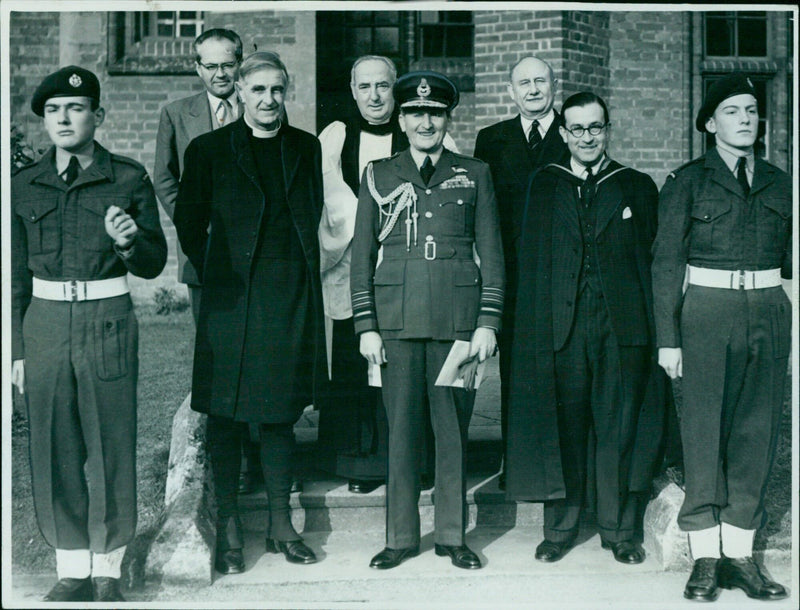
724 243
82 218
426 208
515 149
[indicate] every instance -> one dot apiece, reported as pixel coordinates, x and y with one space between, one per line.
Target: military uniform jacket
58 231
705 221
446 295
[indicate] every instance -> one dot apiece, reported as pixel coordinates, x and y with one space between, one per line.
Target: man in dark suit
247 214
426 208
514 149
583 355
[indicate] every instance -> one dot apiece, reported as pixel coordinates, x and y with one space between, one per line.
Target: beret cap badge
75 80
424 89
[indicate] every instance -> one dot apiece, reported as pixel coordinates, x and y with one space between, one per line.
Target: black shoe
426 482
549 551
702 584
106 589
71 590
297 486
626 551
358 486
391 558
747 575
295 550
229 562
461 556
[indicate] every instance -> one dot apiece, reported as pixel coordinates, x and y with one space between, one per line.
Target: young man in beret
426 208
82 219
723 323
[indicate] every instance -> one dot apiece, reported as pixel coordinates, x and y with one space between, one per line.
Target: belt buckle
73 291
430 253
741 279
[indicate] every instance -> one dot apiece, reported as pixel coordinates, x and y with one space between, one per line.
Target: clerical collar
259 132
580 170
85 158
419 156
383 129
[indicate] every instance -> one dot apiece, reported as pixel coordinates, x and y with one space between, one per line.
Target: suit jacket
548 274
444 296
181 122
504 147
218 213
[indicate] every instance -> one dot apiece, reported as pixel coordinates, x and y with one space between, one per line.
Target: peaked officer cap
735 83
425 89
66 82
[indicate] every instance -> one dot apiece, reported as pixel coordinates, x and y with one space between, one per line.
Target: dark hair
583 98
219 34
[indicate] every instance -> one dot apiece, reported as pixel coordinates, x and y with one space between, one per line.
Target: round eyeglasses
594 130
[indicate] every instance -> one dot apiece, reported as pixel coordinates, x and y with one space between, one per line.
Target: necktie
741 176
588 188
534 137
427 169
71 174
223 112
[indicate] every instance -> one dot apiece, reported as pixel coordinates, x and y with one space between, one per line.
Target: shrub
167 301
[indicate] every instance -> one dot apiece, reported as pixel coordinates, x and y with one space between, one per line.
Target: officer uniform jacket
58 231
447 297
551 254
218 214
705 221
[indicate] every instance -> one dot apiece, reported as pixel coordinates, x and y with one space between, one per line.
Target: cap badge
75 80
424 89
749 82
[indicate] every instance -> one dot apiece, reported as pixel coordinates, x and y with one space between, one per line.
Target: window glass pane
458 17
459 41
718 36
432 42
428 17
359 17
387 41
170 15
188 30
358 42
165 29
752 37
386 17
187 15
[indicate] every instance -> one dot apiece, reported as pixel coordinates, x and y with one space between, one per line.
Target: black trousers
224 438
599 387
81 367
412 366
736 346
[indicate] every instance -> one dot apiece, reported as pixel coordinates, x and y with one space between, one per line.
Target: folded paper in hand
452 372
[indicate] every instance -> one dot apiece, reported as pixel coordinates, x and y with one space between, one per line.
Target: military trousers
600 386
411 370
81 367
735 346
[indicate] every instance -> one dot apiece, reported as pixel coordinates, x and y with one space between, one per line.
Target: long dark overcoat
534 470
218 213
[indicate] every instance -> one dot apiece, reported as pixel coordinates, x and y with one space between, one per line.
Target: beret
66 82
735 83
425 89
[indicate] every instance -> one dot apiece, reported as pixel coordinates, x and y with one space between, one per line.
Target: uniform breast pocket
466 296
457 207
41 224
389 287
774 223
91 221
707 217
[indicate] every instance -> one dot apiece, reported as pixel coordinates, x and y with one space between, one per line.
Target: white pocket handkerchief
626 213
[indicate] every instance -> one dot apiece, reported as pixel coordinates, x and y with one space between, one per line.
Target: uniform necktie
589 187
224 111
71 174
534 137
427 169
741 176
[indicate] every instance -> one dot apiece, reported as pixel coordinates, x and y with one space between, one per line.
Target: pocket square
626 213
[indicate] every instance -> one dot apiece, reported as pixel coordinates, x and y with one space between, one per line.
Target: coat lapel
515 155
565 207
763 176
721 174
291 160
407 170
609 196
198 117
444 170
243 153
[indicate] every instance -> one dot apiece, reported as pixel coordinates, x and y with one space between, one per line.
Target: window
444 34
167 24
761 86
372 33
736 34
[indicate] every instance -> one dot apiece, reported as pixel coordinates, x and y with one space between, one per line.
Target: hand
483 343
120 227
671 360
18 375
371 347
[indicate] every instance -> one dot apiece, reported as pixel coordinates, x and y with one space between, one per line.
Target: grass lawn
165 360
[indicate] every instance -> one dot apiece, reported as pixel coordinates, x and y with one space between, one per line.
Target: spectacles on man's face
595 129
226 67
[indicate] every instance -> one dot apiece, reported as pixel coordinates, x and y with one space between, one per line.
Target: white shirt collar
730 156
580 170
259 132
85 158
419 157
544 123
233 99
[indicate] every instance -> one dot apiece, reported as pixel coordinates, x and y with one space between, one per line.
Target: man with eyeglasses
586 391
514 149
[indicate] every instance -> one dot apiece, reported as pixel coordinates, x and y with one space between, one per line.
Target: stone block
664 541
